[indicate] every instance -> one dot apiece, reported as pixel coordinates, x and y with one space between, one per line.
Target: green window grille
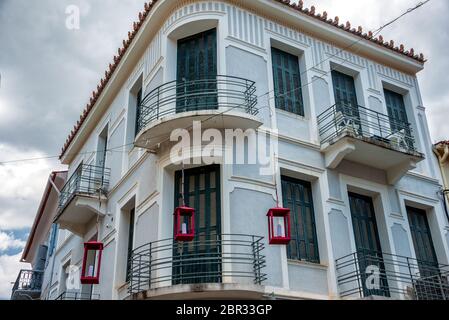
297 196
287 82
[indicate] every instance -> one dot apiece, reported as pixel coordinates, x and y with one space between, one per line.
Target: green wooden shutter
202 192
138 102
287 82
367 241
422 238
130 243
297 196
344 89
197 60
396 109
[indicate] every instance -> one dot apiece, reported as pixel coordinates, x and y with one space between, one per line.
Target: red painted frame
91 246
279 212
182 212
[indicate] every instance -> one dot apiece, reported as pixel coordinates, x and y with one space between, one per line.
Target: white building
346 126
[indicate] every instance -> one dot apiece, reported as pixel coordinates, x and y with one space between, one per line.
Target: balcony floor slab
79 211
370 152
160 130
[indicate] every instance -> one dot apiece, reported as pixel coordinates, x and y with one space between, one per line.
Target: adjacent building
40 247
336 113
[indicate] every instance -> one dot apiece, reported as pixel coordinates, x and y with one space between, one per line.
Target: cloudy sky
48 72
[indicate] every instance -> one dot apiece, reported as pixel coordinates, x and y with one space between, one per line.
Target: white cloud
7 241
22 185
9 270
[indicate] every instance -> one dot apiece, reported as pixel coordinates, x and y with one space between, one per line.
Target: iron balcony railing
86 180
192 95
77 296
28 281
363 274
223 258
343 119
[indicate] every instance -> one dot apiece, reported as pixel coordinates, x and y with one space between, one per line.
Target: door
197 72
369 250
397 114
199 261
422 241
346 97
429 285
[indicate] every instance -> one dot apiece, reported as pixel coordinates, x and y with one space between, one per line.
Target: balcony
28 285
76 296
367 137
82 198
363 275
224 266
220 102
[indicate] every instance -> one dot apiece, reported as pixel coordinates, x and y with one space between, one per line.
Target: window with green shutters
197 60
398 115
297 196
138 102
287 82
130 243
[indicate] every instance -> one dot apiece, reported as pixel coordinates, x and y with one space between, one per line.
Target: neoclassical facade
338 114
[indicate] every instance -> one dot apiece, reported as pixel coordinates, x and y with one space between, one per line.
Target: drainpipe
54 186
445 154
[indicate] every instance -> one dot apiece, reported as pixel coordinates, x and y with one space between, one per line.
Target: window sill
307 264
292 115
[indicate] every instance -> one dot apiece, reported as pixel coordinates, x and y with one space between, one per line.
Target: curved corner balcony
367 137
216 266
218 102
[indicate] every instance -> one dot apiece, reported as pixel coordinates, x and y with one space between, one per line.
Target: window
138 102
396 110
287 82
197 60
344 89
202 192
297 196
130 243
52 240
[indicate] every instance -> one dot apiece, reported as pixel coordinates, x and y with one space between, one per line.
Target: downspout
445 154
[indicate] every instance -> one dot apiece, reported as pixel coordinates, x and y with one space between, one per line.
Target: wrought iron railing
344 119
364 274
223 258
86 180
78 296
28 281
193 95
